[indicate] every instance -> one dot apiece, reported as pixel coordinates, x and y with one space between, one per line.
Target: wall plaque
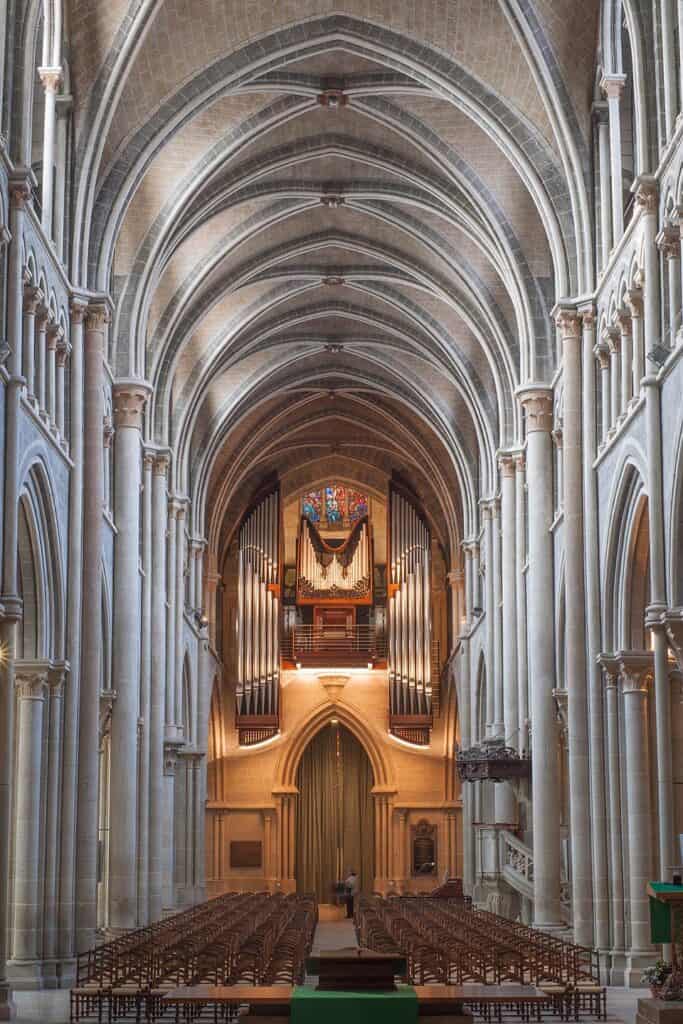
246 854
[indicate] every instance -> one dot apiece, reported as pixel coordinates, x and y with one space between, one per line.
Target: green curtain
335 824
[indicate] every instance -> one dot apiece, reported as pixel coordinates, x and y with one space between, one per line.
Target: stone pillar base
617 966
659 1011
32 975
636 961
8 1010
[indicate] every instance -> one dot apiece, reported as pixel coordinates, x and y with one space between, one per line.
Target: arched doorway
335 821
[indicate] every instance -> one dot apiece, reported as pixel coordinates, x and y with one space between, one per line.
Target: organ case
410 640
334 574
258 620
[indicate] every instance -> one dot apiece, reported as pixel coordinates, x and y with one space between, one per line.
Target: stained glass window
312 506
334 505
357 504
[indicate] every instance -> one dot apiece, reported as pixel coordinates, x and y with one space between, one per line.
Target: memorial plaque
246 853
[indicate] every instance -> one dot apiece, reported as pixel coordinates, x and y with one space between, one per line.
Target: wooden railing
337 646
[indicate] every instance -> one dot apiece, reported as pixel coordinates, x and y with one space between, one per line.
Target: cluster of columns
620 355
45 355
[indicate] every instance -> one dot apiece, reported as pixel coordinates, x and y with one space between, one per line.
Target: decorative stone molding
32 299
669 242
506 462
161 463
107 431
636 670
63 352
634 301
612 86
333 99
567 321
624 322
31 679
334 281
20 192
612 339
601 353
51 77
56 676
645 188
332 201
78 311
129 399
588 316
54 334
538 403
333 685
97 317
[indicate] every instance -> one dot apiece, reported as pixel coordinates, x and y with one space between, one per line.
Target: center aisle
334 935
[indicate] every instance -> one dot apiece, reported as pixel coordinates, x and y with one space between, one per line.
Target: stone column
54 335
602 354
575 602
157 682
73 639
487 513
31 684
199 572
183 727
51 79
32 299
168 845
476 577
205 687
592 585
668 65
636 672
41 359
10 603
612 87
546 803
634 301
626 347
172 727
129 401
614 345
52 799
63 350
600 112
509 593
520 584
669 244
616 874
96 322
145 693
498 702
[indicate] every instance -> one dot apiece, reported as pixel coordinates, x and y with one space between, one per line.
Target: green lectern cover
310 1006
662 898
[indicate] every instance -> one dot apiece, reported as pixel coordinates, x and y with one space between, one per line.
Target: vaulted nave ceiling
367 280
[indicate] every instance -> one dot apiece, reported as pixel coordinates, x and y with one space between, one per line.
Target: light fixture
298 664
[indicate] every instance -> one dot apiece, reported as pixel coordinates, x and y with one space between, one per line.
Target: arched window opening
628 123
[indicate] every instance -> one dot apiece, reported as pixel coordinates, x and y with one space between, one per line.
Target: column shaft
575 599
91 642
145 695
615 839
520 582
158 684
545 781
613 87
129 399
490 622
171 624
179 625
639 810
595 697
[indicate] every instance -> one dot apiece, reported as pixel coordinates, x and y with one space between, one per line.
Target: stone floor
53 1007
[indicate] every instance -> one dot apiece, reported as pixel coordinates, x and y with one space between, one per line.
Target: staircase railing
517 868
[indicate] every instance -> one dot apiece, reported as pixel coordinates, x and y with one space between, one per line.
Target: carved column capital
78 310
506 462
612 86
646 191
669 242
129 398
54 334
162 461
63 352
634 301
624 322
538 403
107 432
51 77
97 317
20 192
636 671
32 299
31 680
567 321
611 338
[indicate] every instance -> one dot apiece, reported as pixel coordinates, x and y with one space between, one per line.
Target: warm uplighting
3 653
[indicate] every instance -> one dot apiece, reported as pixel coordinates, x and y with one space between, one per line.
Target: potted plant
656 977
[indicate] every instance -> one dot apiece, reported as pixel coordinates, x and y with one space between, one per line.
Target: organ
258 620
409 592
334 573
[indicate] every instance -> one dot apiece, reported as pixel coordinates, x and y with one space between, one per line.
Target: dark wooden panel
246 853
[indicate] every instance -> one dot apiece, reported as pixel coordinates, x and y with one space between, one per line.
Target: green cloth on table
309 1006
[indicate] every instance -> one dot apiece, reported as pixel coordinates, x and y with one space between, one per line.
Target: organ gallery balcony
336 646
492 761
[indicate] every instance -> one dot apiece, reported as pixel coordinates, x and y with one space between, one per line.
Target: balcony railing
337 646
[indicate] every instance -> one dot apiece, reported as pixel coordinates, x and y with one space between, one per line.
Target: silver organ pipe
326 571
409 646
258 653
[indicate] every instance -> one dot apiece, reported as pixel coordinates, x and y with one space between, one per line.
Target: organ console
258 621
410 688
328 573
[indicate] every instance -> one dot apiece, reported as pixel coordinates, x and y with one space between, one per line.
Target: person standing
352 884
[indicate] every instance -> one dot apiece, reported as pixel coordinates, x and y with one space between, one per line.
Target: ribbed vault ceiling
311 288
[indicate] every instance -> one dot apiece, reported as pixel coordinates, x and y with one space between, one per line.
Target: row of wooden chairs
234 938
449 942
